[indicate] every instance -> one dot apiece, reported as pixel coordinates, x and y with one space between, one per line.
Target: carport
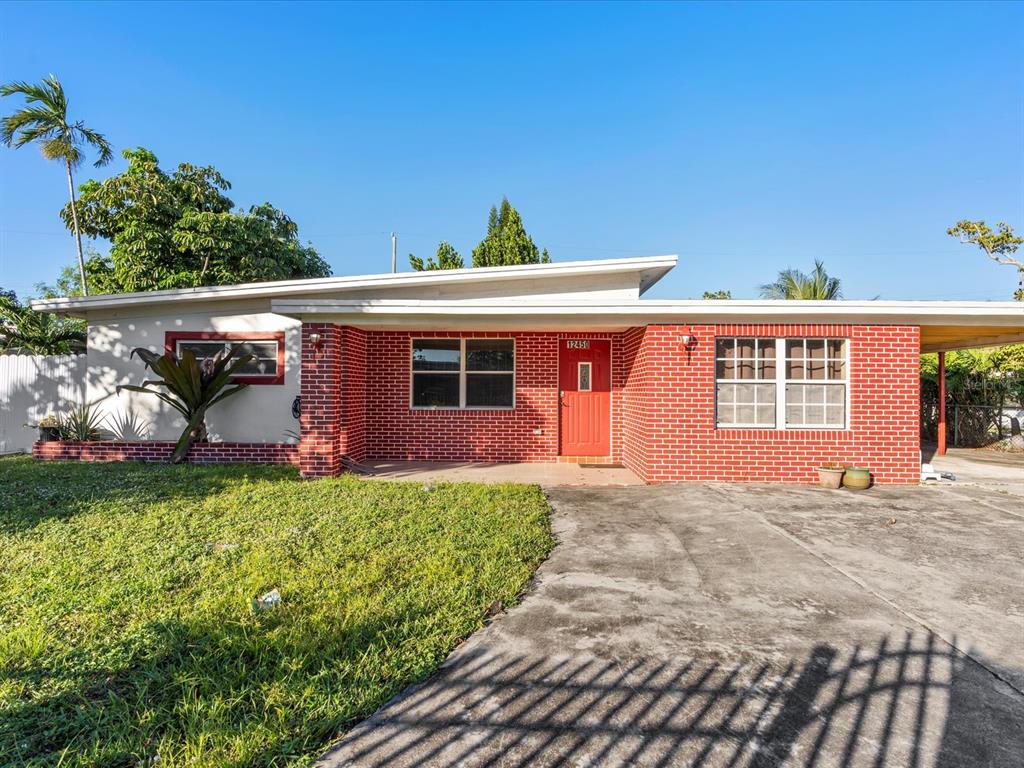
949 338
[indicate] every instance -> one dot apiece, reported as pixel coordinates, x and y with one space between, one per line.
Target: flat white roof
945 324
649 270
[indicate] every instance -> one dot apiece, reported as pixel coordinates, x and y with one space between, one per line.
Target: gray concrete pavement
729 625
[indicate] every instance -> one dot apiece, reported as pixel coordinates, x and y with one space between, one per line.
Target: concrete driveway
728 625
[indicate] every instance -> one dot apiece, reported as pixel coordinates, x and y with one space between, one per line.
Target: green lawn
126 632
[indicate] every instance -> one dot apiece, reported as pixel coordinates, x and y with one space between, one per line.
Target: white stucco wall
262 413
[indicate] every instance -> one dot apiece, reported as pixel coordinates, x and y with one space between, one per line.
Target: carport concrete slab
996 471
740 626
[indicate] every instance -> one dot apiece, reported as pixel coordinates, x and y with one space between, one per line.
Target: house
562 362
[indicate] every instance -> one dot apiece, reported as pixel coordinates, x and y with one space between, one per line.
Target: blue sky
745 138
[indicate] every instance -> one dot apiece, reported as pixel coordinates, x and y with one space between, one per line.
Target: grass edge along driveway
126 632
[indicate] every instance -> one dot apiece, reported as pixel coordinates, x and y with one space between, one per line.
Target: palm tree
794 284
27 332
44 119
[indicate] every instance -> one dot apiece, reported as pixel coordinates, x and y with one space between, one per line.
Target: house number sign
577 344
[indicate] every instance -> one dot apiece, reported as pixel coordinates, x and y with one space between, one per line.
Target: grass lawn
126 632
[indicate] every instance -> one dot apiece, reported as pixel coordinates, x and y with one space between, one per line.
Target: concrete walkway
487 472
996 471
727 625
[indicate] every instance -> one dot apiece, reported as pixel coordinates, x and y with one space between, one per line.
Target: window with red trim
266 347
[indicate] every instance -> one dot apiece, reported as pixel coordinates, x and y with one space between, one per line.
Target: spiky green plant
82 423
44 120
794 284
192 387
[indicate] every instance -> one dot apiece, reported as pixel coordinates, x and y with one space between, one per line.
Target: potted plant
49 429
830 475
857 478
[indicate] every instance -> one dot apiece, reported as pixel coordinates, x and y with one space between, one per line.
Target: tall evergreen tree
507 242
447 258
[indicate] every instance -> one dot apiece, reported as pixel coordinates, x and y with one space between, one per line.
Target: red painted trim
942 405
171 339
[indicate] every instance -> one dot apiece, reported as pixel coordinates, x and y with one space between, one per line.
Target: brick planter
159 451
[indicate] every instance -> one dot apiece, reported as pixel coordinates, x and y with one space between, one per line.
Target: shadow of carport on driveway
740 626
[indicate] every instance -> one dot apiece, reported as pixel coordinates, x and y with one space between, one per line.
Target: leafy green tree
178 230
717 295
44 120
794 284
25 331
506 241
447 258
998 246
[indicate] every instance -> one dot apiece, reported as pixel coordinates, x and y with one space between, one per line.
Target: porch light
315 339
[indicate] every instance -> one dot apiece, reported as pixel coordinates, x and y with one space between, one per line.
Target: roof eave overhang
973 323
648 269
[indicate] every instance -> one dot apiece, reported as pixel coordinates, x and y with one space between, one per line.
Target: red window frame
171 339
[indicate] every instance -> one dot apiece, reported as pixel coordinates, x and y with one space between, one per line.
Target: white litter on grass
265 602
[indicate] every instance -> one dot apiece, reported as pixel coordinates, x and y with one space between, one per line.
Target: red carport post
942 404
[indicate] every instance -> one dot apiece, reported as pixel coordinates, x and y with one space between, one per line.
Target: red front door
585 381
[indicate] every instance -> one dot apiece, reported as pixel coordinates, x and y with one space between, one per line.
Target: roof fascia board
1008 313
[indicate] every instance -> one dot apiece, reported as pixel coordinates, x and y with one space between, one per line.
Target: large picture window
267 349
781 383
463 373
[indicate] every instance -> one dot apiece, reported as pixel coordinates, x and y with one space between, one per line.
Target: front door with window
585 397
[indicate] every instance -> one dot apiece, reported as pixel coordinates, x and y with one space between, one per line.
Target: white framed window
745 382
816 386
463 373
781 383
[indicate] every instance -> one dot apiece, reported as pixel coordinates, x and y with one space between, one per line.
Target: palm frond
97 140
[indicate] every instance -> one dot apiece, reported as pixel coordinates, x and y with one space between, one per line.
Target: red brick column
320 390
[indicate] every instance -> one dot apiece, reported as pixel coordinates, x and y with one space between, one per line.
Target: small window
266 367
463 373
745 382
583 377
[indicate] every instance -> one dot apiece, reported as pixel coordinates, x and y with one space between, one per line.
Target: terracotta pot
856 478
830 478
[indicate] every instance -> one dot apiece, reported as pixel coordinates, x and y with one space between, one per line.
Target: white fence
33 386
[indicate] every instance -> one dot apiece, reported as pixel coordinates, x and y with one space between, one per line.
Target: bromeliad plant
192 387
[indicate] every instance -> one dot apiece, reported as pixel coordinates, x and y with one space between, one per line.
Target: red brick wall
669 420
355 403
397 432
635 401
353 393
160 451
320 391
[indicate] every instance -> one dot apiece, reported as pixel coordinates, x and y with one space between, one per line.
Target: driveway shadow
910 700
